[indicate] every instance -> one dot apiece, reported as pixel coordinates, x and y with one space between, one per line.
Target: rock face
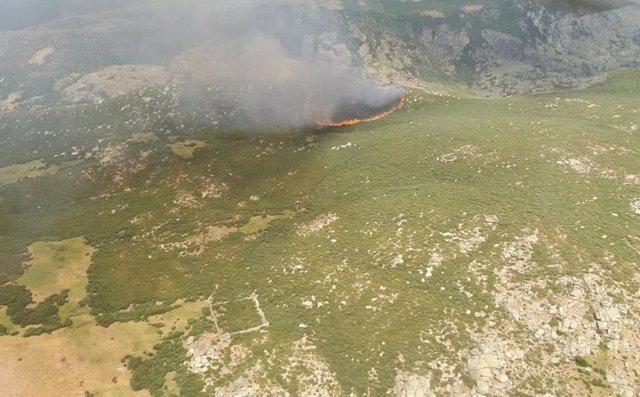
10 103
580 320
443 46
542 48
487 366
40 57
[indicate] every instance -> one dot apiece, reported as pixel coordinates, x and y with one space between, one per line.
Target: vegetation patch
582 362
186 149
58 265
238 316
259 223
18 172
143 137
164 367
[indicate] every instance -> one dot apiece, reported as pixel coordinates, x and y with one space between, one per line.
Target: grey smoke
376 97
261 57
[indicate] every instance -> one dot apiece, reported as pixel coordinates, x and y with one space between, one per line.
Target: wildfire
323 122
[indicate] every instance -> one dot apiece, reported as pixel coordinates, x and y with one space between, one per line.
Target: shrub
599 383
581 361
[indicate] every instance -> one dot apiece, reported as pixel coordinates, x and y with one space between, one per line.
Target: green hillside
398 245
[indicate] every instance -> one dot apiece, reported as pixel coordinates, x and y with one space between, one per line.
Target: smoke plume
261 63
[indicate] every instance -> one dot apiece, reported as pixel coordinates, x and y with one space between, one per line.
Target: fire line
343 123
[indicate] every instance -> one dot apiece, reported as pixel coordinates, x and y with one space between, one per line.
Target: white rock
40 57
483 387
412 385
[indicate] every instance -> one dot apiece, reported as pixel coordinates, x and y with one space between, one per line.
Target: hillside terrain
165 231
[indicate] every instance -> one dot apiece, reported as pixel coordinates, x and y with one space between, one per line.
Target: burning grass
364 104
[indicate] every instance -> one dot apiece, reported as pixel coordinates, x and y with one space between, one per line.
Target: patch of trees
22 311
150 372
10 266
140 312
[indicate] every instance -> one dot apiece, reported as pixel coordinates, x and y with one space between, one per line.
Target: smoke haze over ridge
249 60
256 61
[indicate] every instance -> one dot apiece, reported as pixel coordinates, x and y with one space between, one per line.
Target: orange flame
344 123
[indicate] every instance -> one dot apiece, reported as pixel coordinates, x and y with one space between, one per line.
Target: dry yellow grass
84 357
73 360
179 317
58 265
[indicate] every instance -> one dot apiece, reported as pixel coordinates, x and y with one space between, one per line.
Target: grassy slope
392 197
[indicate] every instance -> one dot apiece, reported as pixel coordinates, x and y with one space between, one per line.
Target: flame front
329 123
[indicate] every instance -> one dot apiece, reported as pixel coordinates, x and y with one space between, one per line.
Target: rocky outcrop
557 50
408 384
581 319
113 81
542 48
487 365
382 57
443 47
11 102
